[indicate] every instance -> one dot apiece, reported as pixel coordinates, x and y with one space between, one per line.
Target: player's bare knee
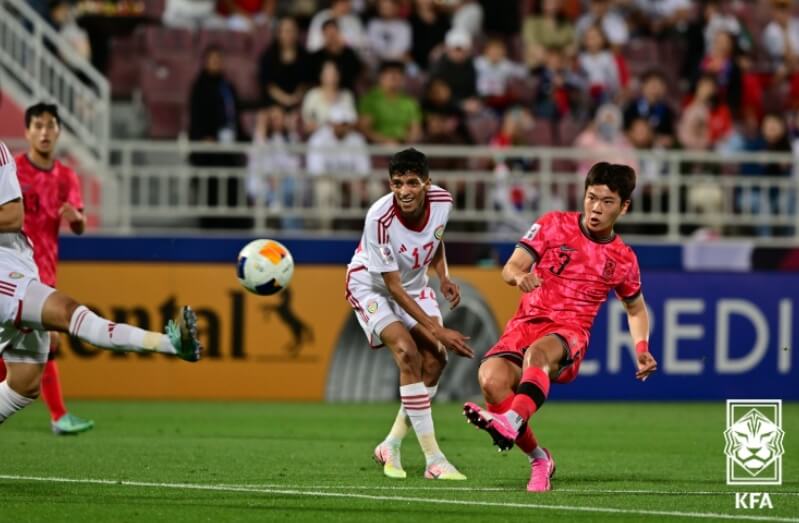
408 358
26 385
495 387
536 356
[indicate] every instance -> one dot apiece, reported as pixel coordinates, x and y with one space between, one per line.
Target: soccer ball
264 267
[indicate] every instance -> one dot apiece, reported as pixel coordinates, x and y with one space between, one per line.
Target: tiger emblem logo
754 442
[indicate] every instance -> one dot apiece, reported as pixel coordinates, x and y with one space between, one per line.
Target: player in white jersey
28 309
387 287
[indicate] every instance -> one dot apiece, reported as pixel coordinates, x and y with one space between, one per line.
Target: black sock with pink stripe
416 402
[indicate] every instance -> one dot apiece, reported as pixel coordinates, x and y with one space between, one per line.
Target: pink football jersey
43 193
577 272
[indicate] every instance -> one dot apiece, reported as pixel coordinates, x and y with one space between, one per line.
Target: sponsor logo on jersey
402 248
16 275
439 233
371 307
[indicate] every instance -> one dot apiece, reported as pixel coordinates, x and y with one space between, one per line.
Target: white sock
515 420
537 453
402 422
98 331
11 401
416 402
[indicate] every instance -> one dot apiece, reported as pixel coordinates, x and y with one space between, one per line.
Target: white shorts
20 344
376 311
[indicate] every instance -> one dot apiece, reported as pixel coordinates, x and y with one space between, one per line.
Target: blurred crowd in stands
610 76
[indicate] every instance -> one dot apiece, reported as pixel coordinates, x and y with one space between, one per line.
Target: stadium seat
242 71
641 55
166 42
541 134
231 42
567 130
124 66
482 126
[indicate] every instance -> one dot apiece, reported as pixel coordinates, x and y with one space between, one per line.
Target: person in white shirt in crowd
494 73
273 169
338 157
319 100
720 18
599 66
467 15
781 37
192 14
388 35
613 24
661 16
350 25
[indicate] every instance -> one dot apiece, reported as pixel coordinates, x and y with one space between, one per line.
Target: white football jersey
15 249
388 245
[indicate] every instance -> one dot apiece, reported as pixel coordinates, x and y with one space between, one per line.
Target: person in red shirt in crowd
51 194
565 266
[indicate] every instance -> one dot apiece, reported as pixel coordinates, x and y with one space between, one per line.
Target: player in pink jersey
577 260
387 287
51 193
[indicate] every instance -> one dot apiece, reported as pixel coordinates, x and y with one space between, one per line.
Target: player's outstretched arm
12 215
449 288
516 271
452 339
638 320
74 217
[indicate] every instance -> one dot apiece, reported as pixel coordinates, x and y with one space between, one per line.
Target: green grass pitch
193 461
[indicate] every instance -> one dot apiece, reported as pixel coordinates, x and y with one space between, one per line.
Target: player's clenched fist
451 292
527 282
646 365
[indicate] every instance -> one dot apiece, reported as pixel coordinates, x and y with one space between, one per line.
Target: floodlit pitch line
505 489
437 501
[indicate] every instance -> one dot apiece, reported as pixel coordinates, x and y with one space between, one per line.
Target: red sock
526 440
532 392
51 391
2 370
502 406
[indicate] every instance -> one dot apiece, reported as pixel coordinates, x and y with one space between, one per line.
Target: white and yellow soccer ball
264 267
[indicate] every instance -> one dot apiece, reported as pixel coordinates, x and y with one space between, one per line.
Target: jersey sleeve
73 192
630 288
539 237
378 248
9 184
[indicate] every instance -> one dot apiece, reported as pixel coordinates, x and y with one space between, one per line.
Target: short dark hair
409 161
327 23
39 109
389 65
619 178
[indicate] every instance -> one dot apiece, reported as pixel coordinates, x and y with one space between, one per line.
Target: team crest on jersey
385 253
610 268
371 307
15 275
439 233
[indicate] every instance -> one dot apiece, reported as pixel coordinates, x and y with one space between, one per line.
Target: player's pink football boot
497 425
541 471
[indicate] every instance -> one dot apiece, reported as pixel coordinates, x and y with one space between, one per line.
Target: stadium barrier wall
715 335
